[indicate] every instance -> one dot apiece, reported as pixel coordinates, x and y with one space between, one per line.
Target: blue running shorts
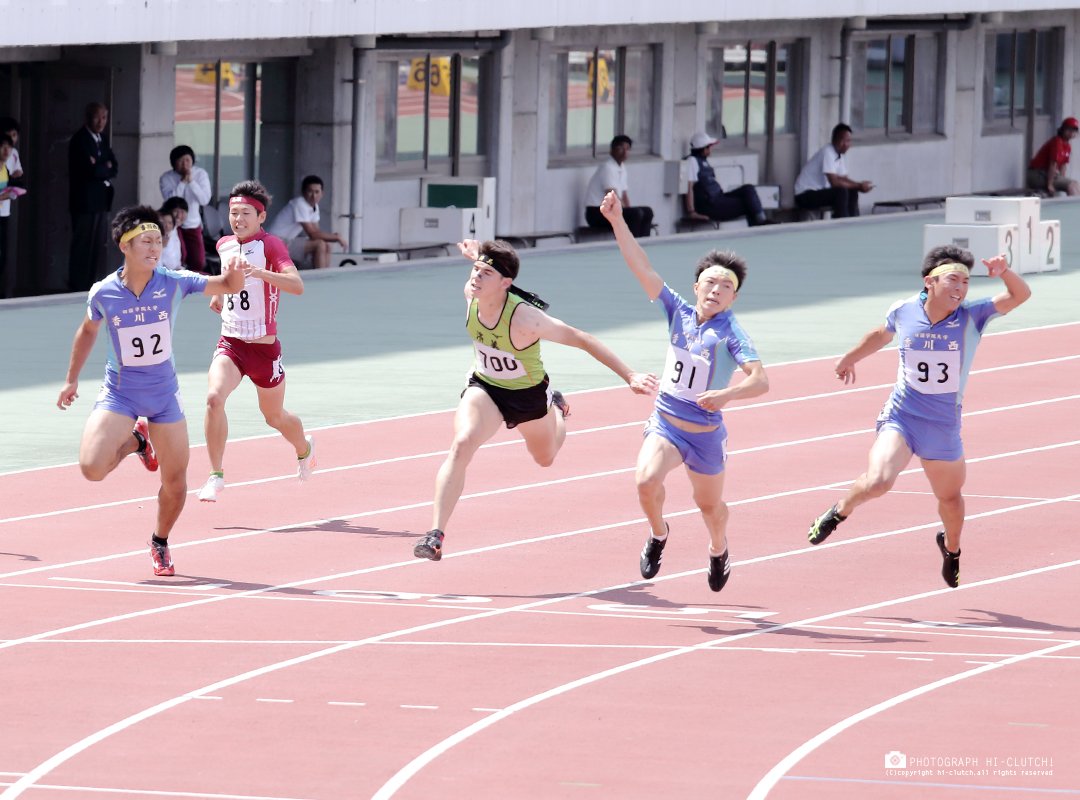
701 452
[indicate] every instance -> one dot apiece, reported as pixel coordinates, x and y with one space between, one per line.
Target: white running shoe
214 486
305 467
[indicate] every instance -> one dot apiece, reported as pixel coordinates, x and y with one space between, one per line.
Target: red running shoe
162 558
146 450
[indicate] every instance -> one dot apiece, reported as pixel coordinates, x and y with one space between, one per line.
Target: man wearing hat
706 199
1046 172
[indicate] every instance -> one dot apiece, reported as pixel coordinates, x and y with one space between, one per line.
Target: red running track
301 652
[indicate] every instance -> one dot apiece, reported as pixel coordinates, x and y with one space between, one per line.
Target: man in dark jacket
91 169
706 199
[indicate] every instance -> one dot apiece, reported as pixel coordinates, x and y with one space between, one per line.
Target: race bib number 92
145 345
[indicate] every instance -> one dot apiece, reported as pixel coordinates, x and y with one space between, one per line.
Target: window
225 139
597 94
1020 75
430 110
747 85
896 84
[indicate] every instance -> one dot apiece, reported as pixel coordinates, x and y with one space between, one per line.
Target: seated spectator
1046 172
706 199
297 224
611 177
824 181
10 126
173 212
7 194
192 183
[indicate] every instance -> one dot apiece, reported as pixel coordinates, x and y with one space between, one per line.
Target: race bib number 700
497 363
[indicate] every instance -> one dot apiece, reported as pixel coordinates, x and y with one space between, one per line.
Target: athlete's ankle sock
305 455
217 473
839 516
159 541
714 554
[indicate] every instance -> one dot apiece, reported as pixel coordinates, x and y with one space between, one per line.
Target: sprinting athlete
249 344
705 346
508 384
138 304
938 330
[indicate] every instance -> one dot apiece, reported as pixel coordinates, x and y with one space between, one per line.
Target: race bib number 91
145 345
496 363
685 374
932 371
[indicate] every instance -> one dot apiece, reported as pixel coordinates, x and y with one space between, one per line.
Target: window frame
1018 117
454 163
793 91
643 146
909 115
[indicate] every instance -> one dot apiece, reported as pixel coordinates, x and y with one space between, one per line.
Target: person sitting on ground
1046 172
611 177
824 181
706 199
298 226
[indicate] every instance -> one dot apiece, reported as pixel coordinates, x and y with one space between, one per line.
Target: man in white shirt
824 181
193 184
611 177
297 224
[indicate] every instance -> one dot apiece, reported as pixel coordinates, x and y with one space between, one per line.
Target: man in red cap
1046 172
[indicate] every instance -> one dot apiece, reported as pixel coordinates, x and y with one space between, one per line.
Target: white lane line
271 700
421 708
846 655
614 388
767 783
144 793
518 441
350 703
403 775
33 776
520 487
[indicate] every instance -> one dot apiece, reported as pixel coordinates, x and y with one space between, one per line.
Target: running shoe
560 403
950 562
214 486
651 555
824 526
305 467
163 563
430 546
719 571
145 452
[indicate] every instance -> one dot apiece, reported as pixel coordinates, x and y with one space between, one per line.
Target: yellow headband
727 274
145 227
945 269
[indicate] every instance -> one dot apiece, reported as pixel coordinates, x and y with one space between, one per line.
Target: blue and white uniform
935 359
140 372
700 358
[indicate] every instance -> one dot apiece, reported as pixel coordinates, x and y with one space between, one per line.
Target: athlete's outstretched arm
230 281
1016 291
632 252
870 343
85 337
755 384
534 324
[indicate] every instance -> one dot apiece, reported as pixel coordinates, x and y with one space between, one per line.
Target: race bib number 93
932 371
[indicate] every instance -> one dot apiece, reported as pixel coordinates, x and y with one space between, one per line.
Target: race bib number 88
145 345
496 363
932 371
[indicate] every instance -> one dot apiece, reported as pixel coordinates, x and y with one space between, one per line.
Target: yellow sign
602 84
205 73
440 75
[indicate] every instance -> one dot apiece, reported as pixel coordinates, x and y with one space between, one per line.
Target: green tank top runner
496 359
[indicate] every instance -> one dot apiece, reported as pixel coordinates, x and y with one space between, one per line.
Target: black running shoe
824 526
560 403
719 571
651 554
950 562
430 546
